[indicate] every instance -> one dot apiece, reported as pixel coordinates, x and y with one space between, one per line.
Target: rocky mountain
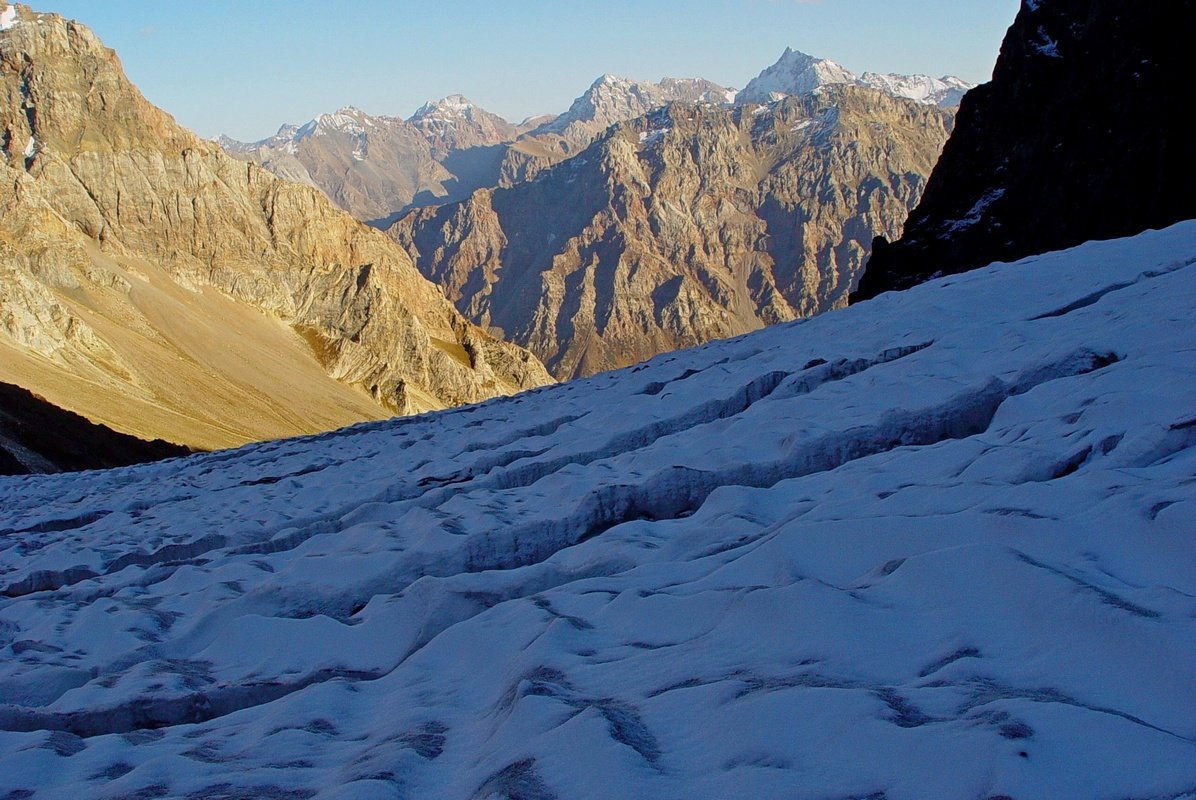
937 546
38 437
797 73
160 287
369 166
374 166
455 123
608 101
612 99
691 223
378 167
1084 123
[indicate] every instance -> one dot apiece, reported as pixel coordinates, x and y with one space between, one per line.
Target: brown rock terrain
692 223
161 287
376 166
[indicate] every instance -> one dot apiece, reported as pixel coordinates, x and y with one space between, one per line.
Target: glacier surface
938 545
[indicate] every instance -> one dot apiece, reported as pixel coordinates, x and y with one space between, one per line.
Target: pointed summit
794 73
455 122
611 99
454 104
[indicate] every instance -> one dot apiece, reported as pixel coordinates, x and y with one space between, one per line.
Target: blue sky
243 67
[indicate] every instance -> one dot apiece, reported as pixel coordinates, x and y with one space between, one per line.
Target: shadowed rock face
688 224
1084 124
36 436
123 236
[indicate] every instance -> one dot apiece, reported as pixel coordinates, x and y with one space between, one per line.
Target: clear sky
243 67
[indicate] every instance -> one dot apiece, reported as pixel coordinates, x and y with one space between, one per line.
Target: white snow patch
1045 45
976 212
654 135
8 17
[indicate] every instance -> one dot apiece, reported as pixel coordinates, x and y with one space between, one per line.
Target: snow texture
937 545
8 17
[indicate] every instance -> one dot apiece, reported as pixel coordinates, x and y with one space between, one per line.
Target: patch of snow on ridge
8 17
943 524
1045 45
654 135
976 212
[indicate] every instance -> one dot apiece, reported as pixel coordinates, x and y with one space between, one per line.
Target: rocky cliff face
688 224
1084 123
135 257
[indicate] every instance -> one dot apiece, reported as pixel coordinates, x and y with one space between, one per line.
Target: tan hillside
153 283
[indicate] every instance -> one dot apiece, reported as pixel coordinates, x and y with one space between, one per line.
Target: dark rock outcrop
1082 134
37 436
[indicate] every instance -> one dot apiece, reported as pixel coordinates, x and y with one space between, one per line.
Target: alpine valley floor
937 545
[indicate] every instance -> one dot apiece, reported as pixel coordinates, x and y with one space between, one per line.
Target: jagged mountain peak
796 72
453 104
611 99
346 119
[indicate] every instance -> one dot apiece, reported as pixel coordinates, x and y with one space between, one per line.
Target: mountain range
691 223
170 292
376 167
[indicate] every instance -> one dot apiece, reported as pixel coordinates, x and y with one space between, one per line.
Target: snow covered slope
937 545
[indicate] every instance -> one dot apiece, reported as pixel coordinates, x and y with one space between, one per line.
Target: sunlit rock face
157 285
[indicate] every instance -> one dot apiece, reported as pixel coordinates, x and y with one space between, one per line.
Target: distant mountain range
649 215
376 167
690 223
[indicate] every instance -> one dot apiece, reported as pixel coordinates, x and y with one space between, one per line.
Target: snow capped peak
796 72
607 79
452 104
347 119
